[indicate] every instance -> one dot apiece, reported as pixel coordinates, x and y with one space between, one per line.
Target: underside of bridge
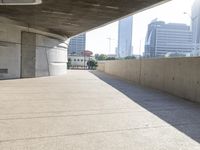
34 32
71 17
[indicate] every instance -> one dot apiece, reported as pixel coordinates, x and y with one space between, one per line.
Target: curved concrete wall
178 76
51 56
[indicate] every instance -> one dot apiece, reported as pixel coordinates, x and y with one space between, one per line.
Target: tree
111 58
100 57
130 57
92 64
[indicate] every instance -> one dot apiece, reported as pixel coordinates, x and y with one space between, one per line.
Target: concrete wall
50 52
178 76
10 50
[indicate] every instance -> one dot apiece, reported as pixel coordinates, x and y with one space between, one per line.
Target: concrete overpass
34 32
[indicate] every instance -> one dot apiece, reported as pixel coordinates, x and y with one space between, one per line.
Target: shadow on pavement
181 114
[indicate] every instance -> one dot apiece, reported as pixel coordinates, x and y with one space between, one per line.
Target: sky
171 12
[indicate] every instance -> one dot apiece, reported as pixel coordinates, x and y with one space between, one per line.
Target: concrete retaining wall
178 76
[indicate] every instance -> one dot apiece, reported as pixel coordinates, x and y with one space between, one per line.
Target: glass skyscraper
196 21
164 38
125 37
77 44
195 18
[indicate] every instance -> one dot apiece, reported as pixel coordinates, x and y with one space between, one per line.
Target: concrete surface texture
71 17
178 76
85 110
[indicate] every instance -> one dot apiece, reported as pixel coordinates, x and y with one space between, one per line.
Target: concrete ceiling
71 17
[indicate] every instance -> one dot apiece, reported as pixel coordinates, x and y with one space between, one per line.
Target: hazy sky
171 12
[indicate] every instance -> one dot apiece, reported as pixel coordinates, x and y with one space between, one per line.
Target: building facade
125 37
195 18
79 62
77 44
162 38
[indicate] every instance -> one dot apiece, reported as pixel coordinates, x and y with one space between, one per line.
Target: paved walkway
93 111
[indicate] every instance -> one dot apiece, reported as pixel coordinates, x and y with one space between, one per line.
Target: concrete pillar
51 56
28 54
10 51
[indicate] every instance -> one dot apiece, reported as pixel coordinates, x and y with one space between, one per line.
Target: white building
79 61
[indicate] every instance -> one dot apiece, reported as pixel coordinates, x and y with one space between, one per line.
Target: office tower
195 19
125 37
77 44
162 38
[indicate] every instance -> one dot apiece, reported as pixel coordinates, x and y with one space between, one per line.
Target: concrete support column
42 56
51 56
28 54
10 47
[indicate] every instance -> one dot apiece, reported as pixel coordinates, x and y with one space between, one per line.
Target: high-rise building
195 18
125 37
77 44
196 21
162 38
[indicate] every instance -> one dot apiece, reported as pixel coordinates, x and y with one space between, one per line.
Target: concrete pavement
85 110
